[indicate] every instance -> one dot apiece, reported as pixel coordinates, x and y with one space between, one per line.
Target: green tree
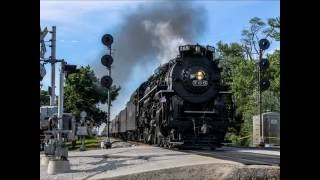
256 31
239 72
274 28
83 92
271 97
44 98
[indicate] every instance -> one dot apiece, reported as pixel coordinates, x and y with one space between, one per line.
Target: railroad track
237 155
247 156
116 140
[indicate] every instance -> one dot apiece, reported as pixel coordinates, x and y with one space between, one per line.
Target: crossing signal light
70 68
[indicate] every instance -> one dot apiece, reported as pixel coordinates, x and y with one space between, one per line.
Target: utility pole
61 95
53 66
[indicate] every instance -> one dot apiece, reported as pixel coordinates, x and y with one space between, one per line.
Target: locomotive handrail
145 96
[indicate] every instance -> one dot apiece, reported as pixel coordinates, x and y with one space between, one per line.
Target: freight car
183 104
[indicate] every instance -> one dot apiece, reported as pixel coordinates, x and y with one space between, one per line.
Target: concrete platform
145 162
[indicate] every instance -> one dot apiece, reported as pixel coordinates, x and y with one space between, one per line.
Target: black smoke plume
153 33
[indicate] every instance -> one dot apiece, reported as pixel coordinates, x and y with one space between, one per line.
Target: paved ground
148 161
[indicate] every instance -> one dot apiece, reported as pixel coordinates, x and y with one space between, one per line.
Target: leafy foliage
240 73
44 98
83 92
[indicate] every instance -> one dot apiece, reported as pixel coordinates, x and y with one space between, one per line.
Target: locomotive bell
106 81
107 60
107 40
264 44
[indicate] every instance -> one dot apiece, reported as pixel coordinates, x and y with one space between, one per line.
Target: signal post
106 81
264 82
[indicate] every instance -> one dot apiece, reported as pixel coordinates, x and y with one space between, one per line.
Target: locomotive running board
144 97
201 112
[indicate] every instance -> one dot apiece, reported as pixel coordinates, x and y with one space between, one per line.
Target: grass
90 143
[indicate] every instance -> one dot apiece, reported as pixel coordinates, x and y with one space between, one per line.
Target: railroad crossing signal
70 69
43 33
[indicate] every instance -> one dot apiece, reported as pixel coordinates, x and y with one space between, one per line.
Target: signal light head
264 84
106 81
264 44
264 64
107 40
107 60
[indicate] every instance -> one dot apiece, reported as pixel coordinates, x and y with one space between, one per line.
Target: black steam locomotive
183 104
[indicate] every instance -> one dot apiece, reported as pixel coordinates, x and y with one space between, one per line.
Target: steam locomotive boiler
183 104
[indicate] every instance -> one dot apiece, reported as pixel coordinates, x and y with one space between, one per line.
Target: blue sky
81 24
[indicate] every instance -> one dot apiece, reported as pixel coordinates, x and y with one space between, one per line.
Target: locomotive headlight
200 75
